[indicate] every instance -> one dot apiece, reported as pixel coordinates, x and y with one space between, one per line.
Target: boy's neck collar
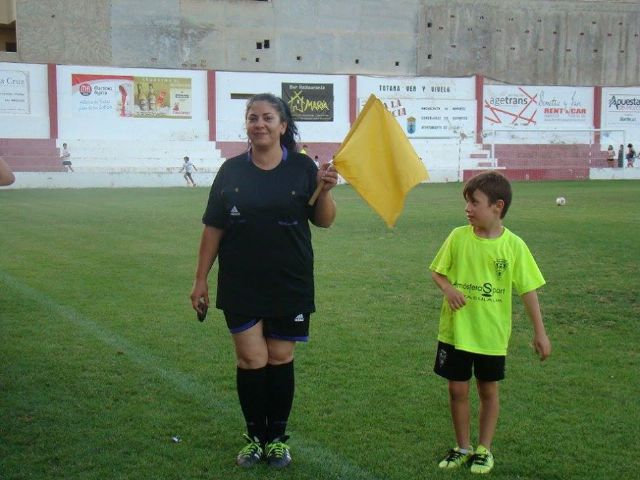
494 231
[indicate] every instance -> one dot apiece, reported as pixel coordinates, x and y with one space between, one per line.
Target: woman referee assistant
257 226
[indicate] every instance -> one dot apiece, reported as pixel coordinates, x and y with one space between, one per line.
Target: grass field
103 360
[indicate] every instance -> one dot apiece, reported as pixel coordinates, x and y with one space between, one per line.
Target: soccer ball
560 201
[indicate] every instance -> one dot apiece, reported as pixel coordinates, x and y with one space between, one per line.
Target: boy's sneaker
278 454
455 458
482 461
251 453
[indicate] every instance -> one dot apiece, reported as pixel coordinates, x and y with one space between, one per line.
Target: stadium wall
544 42
99 112
532 42
24 100
457 125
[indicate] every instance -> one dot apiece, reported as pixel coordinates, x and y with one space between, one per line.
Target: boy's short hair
493 185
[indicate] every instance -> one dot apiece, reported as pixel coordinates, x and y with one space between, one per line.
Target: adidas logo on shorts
234 212
299 318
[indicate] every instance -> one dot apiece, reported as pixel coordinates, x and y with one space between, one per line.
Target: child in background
631 155
187 168
65 156
476 268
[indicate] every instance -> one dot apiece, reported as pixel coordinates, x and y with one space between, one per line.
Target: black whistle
202 311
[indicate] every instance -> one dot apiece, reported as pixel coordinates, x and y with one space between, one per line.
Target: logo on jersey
234 212
501 265
486 290
299 318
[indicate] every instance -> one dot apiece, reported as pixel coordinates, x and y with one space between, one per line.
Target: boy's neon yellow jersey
486 271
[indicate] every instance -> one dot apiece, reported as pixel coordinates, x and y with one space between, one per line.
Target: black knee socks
280 388
266 398
252 392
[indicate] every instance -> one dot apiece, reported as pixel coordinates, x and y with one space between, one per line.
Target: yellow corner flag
378 160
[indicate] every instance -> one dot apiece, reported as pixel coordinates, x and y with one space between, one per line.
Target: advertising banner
418 87
430 118
162 97
131 96
14 92
537 107
622 109
309 102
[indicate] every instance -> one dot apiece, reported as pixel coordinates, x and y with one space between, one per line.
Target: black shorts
456 365
294 328
66 162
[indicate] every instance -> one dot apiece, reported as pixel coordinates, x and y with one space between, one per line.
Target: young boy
187 168
65 156
476 269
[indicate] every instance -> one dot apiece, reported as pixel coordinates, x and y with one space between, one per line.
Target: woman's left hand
327 174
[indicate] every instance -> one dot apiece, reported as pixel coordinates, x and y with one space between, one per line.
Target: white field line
326 460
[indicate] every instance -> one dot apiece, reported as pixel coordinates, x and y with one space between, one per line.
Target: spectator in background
6 175
611 156
187 168
65 156
621 156
631 155
303 150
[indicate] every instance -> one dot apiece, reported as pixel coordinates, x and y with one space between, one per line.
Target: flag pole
315 195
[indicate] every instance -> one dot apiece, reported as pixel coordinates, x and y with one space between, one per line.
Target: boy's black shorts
456 365
294 328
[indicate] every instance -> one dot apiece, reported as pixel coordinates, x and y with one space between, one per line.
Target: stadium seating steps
110 156
31 155
527 161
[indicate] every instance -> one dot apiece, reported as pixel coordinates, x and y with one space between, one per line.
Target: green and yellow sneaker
251 453
455 458
482 461
278 454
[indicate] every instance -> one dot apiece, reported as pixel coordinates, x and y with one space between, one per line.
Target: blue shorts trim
291 339
245 326
293 327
